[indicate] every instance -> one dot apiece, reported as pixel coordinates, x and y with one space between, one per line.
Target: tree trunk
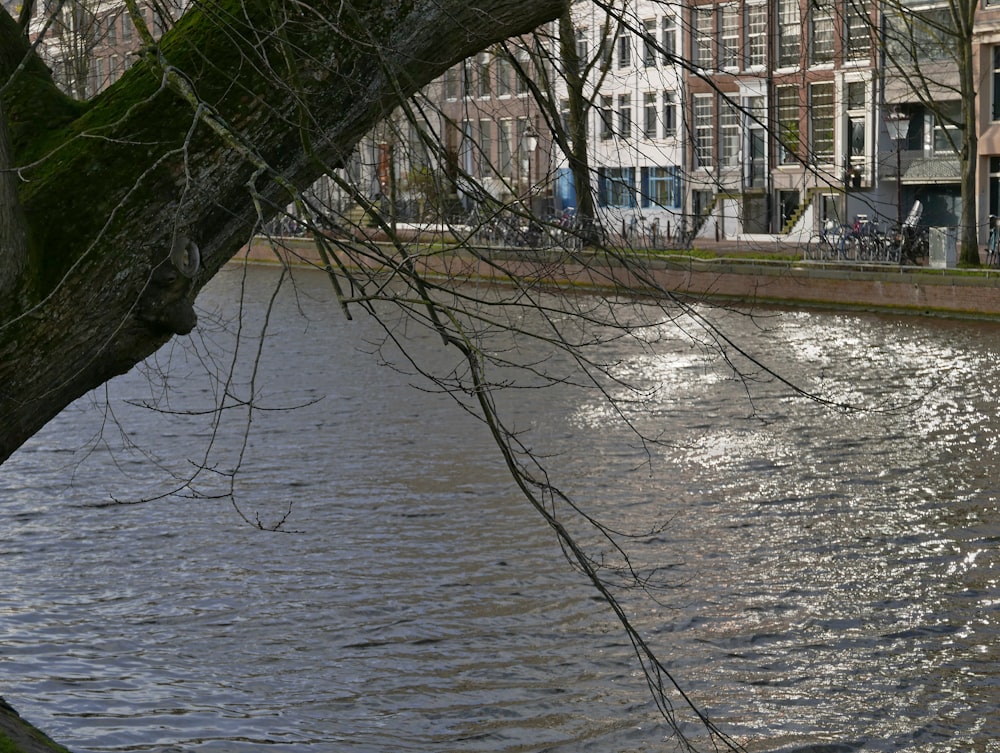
120 194
968 240
579 115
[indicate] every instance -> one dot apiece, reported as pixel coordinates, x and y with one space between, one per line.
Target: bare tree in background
930 60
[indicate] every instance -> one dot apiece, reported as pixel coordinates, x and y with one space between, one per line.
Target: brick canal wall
914 290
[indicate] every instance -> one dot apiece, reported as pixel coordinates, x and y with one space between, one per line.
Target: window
112 22
661 187
649 44
505 72
729 37
126 28
756 34
451 83
467 148
948 137
857 96
859 39
704 130
789 32
649 125
755 160
97 76
467 79
729 133
856 137
821 49
788 124
417 148
483 70
625 116
669 39
996 83
505 161
624 50
582 48
606 117
669 114
485 147
821 112
524 63
703 33
158 25
616 187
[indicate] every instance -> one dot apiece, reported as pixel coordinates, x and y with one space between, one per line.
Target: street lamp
897 123
530 141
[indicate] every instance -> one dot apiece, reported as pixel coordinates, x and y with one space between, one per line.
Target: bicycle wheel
893 251
814 248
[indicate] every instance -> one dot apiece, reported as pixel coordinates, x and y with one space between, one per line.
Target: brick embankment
748 275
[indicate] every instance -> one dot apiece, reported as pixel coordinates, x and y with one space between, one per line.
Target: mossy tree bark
241 101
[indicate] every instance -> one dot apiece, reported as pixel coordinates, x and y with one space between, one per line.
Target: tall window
582 47
821 48
729 36
126 27
624 50
788 124
729 133
756 34
467 148
625 116
649 124
821 111
669 43
857 131
703 36
483 71
505 161
485 147
468 88
789 32
858 31
524 63
996 83
649 44
451 83
505 71
669 114
755 159
704 130
661 187
606 117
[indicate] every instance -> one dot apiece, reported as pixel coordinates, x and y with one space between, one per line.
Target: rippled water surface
822 576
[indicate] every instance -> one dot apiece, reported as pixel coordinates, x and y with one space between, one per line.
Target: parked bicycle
833 243
991 244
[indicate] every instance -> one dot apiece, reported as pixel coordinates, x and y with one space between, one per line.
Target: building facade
725 119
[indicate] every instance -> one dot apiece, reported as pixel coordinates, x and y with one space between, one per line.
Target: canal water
815 575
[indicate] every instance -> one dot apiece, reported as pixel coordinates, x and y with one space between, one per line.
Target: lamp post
531 142
896 124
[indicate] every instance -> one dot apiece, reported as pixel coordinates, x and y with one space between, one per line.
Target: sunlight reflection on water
824 575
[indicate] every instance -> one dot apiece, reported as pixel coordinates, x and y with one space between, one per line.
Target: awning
932 171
